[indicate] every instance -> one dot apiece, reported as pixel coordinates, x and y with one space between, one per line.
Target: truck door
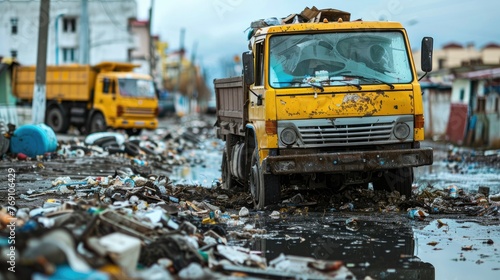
104 98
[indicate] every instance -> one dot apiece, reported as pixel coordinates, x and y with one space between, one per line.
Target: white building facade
109 38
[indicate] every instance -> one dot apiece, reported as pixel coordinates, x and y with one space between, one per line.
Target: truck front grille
138 111
346 134
356 131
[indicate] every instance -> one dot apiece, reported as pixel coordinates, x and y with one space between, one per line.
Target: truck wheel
56 119
228 181
97 123
265 189
400 180
133 131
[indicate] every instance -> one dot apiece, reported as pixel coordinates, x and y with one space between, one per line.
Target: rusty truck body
330 103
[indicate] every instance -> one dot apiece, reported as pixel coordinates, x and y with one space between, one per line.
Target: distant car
166 104
211 107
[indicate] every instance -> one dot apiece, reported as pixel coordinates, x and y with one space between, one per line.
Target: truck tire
133 131
265 189
400 180
228 181
56 119
131 149
97 123
99 142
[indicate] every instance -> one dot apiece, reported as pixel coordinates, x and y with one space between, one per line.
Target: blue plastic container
33 140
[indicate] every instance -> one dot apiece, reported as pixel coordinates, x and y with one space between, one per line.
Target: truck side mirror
105 85
248 68
426 60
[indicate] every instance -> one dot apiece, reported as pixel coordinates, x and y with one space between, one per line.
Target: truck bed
231 101
66 83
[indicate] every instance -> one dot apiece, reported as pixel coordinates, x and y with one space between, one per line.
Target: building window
129 54
462 94
13 27
69 54
69 25
13 53
441 63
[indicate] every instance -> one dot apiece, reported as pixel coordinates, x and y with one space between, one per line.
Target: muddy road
372 233
456 244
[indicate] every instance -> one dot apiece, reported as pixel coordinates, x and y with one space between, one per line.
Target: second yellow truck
92 98
323 102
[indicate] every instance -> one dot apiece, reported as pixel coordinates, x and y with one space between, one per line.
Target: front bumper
135 123
347 161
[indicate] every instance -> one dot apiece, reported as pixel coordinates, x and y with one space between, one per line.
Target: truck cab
324 104
123 99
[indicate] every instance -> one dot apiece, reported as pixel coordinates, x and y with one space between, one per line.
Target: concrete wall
436 113
140 54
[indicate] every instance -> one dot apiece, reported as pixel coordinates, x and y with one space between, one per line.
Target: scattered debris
417 214
173 230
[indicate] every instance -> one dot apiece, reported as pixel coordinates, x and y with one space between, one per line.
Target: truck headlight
401 131
288 136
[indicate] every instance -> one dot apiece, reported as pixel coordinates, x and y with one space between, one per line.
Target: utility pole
152 61
39 92
195 76
84 33
179 69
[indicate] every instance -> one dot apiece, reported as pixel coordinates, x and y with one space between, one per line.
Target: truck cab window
328 58
136 88
259 64
105 85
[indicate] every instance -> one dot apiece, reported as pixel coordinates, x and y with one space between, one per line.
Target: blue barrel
33 140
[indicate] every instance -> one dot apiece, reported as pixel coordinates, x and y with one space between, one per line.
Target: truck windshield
337 59
136 88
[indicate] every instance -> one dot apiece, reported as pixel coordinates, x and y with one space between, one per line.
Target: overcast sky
218 27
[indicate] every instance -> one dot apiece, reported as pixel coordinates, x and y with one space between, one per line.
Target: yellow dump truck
323 102
92 98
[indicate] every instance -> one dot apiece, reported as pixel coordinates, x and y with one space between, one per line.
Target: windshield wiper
320 87
370 79
346 83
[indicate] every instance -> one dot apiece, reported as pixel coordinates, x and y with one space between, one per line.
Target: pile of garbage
463 160
137 228
308 15
429 200
134 224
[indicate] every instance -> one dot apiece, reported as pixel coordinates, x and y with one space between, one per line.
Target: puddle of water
460 250
204 167
384 247
471 178
377 249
